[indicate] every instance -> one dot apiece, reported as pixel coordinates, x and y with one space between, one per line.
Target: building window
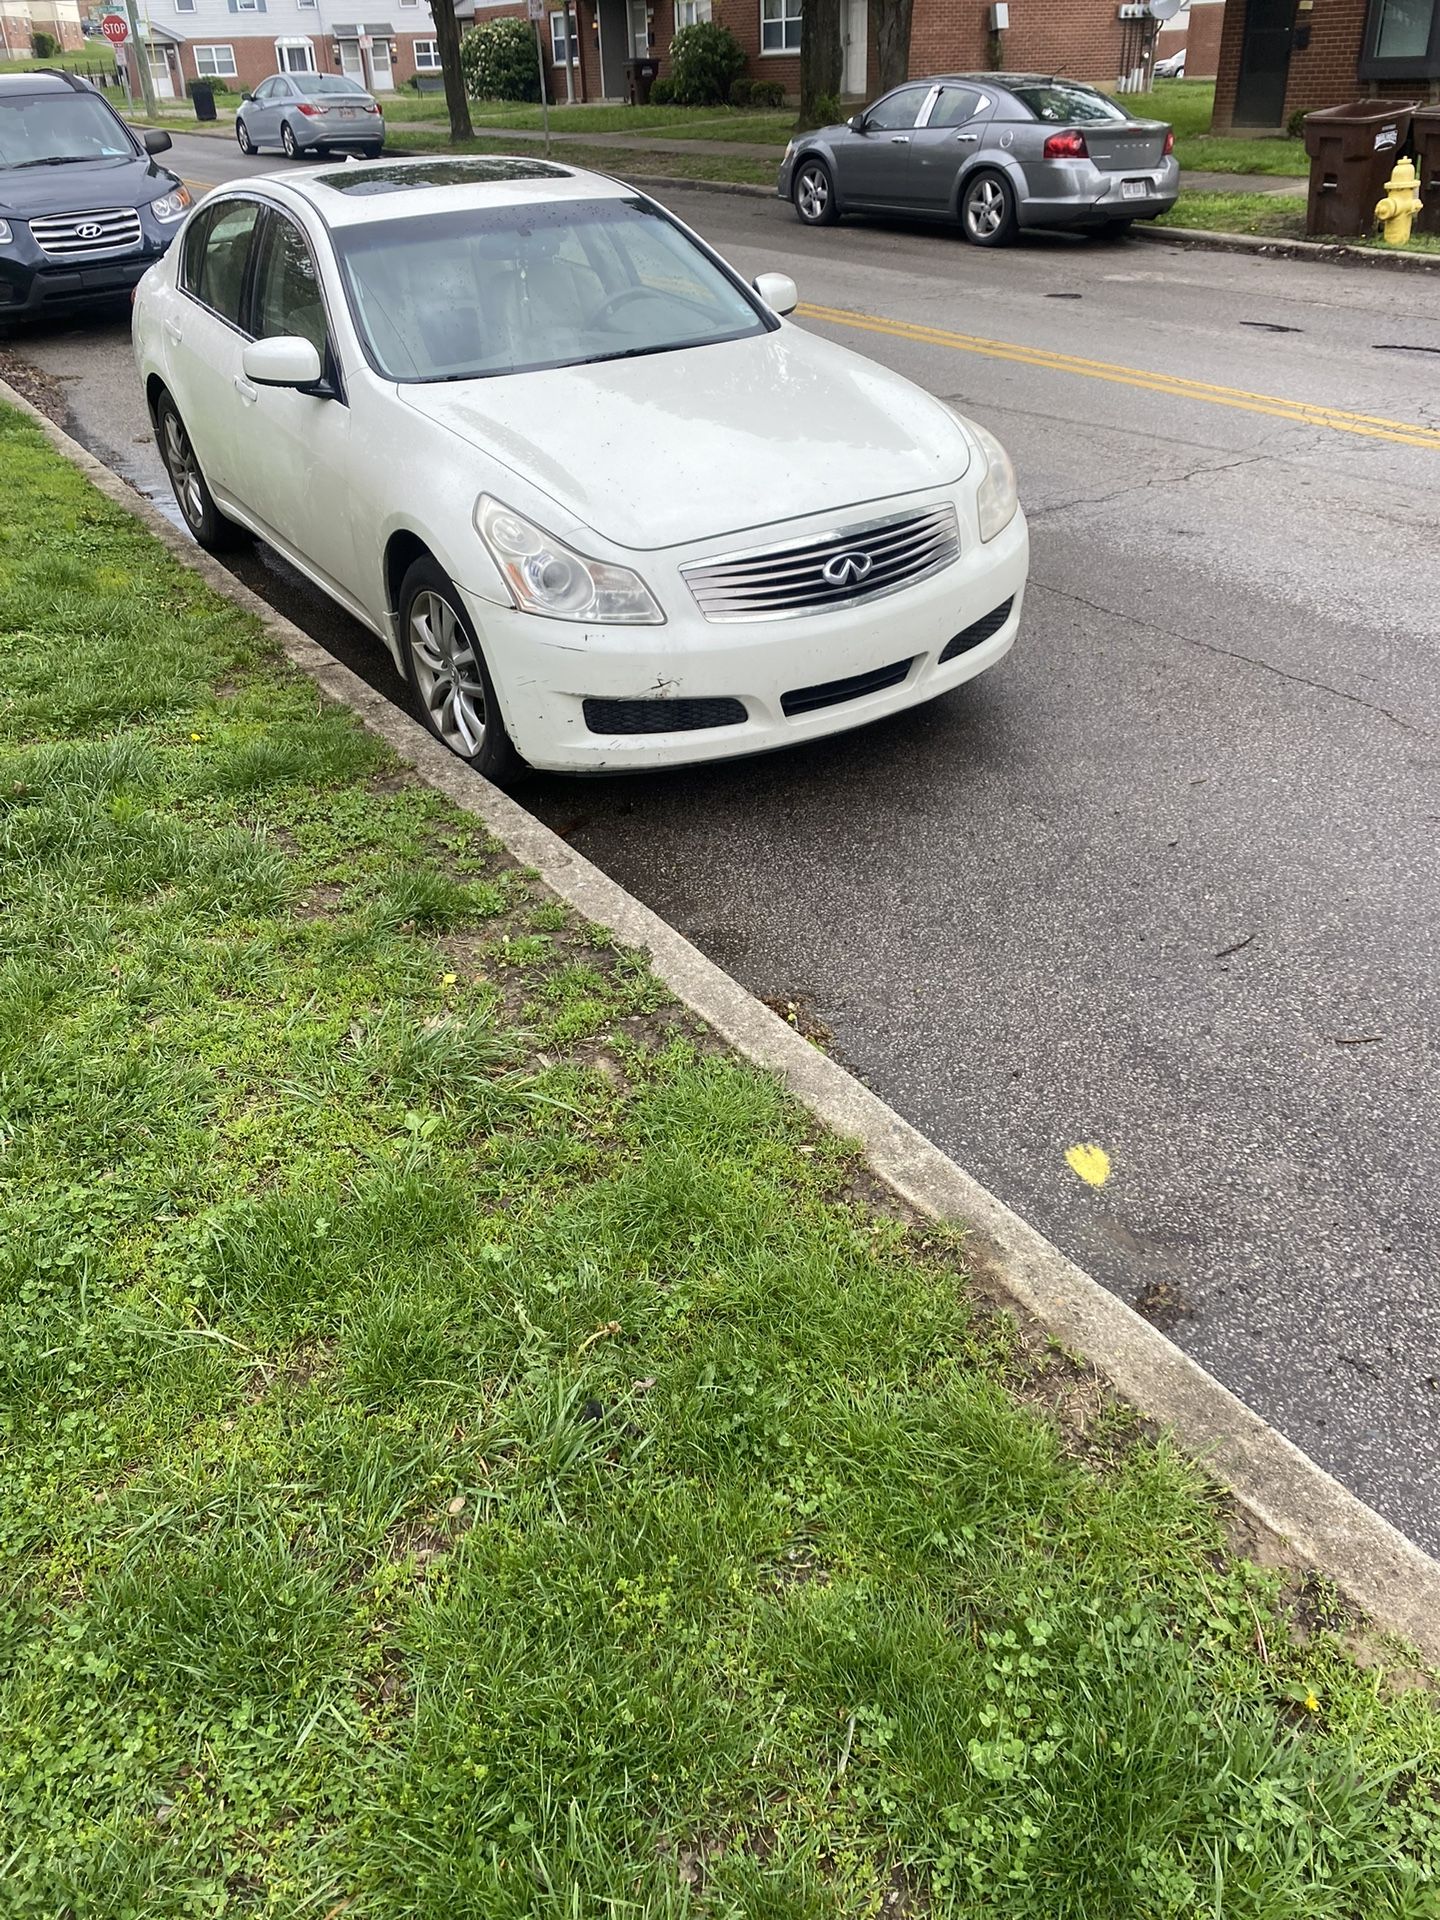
215 63
1402 40
185 6
427 55
302 4
557 41
409 3
691 13
295 56
779 26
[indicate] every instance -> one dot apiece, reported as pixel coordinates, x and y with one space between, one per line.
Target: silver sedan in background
310 113
995 151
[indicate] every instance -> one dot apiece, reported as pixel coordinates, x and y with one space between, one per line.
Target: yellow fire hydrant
1401 203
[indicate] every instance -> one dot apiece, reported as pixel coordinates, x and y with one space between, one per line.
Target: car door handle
245 389
175 331
899 139
967 138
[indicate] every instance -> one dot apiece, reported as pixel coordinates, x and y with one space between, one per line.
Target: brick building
1283 57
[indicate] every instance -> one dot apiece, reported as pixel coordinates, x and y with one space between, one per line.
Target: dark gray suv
995 151
84 210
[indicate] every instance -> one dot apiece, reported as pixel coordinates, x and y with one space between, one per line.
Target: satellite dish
1164 9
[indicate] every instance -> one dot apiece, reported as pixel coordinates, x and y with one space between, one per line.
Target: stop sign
115 28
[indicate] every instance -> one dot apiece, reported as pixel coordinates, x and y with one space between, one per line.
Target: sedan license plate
1134 189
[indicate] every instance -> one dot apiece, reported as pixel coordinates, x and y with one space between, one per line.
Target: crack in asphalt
1141 486
1229 653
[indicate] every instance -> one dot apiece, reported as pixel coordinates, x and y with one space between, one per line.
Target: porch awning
377 30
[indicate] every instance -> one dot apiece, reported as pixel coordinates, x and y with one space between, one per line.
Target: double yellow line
1407 433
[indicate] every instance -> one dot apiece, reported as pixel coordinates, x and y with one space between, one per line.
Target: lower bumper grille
978 631
807 699
661 716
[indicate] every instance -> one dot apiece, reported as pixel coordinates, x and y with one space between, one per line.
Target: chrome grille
776 583
75 236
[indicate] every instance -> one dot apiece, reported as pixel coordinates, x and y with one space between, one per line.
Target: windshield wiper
63 160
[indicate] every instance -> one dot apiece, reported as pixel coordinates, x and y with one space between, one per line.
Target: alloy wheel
985 208
184 470
287 140
447 674
812 193
242 137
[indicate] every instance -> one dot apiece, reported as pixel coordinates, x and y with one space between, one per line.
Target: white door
351 65
856 29
160 77
382 80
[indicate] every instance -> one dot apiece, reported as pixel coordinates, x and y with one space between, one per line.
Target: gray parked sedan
995 151
310 113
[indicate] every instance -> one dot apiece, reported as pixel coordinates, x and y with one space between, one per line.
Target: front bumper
545 670
32 284
1077 193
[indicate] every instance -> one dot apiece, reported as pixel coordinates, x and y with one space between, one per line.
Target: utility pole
142 61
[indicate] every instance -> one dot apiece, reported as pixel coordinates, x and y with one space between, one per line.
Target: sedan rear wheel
814 194
987 211
452 683
212 529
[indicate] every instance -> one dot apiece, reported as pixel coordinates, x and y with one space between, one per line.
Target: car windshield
1058 104
485 291
48 129
329 83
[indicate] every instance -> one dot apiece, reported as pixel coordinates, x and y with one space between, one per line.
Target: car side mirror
246 96
157 140
778 291
856 123
284 360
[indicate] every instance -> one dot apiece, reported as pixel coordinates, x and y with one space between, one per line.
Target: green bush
705 62
767 93
498 60
827 111
204 85
1295 125
662 94
742 92
44 46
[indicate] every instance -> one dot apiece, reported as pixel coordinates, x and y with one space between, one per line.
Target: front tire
213 530
447 671
289 142
813 194
987 210
242 138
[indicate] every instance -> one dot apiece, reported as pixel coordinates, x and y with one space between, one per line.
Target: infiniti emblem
846 568
89 231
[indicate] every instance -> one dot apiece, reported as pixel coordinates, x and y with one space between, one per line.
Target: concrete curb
1325 253
1272 1481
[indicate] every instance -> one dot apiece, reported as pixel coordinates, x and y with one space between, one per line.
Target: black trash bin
1425 141
203 94
1353 150
640 75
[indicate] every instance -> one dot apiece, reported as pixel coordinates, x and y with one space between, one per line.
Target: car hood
28 192
671 448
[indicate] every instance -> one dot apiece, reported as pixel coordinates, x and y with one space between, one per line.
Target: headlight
170 206
548 577
998 496
5 234
789 153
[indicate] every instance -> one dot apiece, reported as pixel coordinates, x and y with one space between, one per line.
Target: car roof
42 80
358 192
1010 80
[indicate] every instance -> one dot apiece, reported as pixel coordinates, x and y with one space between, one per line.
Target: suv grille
854 564
75 236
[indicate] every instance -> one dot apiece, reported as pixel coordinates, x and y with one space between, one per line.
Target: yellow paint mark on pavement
1409 433
1092 1163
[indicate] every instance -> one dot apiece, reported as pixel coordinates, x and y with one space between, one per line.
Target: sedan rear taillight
1066 146
1169 140
371 107
312 112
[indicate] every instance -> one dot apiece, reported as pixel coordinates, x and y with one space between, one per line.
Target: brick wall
1200 36
1323 74
1076 37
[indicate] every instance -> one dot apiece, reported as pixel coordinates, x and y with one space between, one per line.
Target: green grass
1276 216
626 162
470 1453
1188 105
670 123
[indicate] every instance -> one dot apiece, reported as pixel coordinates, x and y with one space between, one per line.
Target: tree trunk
890 35
447 44
821 61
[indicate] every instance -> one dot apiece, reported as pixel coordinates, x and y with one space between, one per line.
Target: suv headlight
550 578
998 496
171 206
6 236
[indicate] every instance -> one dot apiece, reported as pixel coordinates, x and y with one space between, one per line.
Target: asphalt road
1166 880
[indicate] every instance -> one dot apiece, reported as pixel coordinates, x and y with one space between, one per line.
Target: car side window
226 253
193 257
288 299
897 110
954 107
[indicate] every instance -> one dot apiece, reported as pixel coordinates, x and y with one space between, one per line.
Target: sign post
116 30
536 11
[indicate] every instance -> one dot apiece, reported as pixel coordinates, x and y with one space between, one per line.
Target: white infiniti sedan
605 506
